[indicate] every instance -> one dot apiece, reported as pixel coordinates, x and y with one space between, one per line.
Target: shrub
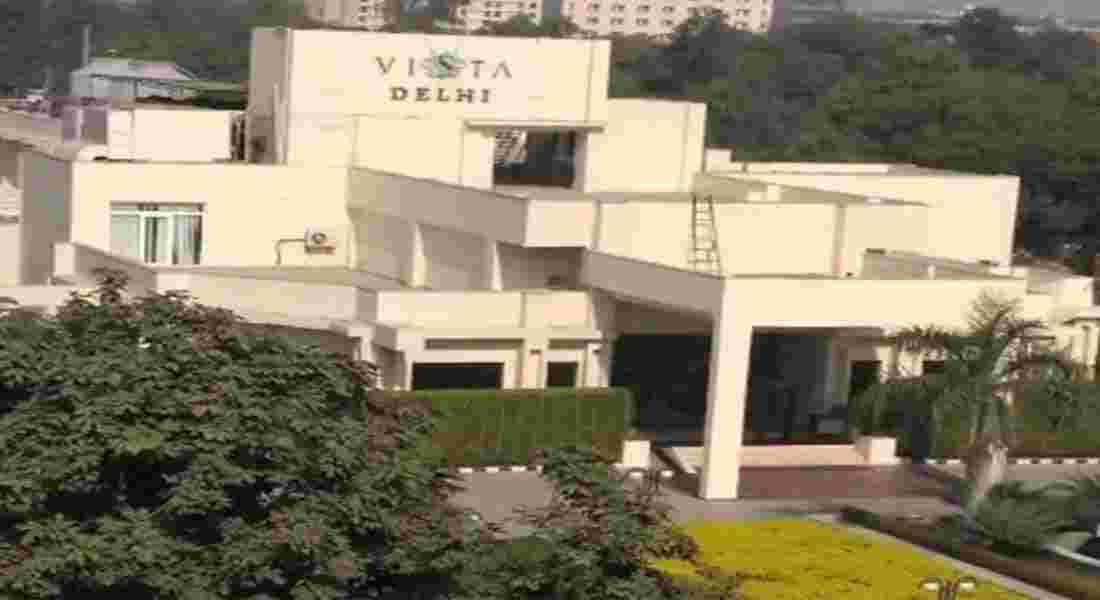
153 451
1084 502
509 427
1017 519
595 541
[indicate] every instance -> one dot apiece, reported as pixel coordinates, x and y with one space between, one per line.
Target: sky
1032 8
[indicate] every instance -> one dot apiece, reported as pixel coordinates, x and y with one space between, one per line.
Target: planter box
877 450
635 454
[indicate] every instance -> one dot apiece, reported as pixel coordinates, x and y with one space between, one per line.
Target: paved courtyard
927 490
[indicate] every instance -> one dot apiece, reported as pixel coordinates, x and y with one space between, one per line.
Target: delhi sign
444 64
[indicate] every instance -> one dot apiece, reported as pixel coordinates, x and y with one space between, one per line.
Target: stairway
705 255
689 459
510 147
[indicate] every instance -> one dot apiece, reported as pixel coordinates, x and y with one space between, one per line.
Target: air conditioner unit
321 241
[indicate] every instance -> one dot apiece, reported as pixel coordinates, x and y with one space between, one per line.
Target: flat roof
747 168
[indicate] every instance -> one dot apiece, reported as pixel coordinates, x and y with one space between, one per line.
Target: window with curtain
162 234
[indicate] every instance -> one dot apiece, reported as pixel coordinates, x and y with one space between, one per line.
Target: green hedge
1047 421
508 427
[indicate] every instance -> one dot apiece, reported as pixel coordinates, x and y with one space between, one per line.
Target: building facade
660 18
656 18
374 209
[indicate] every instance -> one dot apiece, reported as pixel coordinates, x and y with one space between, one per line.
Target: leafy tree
154 450
990 39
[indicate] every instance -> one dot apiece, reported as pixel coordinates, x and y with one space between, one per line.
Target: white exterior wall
47 216
10 254
647 146
247 208
971 217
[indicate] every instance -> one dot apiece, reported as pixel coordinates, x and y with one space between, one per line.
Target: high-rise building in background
599 17
661 17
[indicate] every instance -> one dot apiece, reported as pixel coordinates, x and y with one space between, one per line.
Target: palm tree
983 364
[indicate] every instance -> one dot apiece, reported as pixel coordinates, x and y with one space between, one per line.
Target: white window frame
144 214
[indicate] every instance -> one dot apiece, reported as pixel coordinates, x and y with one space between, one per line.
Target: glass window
162 234
593 20
642 22
643 8
561 374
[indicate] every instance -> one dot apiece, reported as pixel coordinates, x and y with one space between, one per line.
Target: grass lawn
800 559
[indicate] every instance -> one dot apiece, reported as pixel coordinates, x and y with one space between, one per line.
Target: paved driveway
929 490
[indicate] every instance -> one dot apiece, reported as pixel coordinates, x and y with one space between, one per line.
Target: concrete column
417 265
531 363
404 366
727 389
597 363
1088 350
491 265
582 161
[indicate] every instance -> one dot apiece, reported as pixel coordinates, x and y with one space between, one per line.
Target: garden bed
1045 571
795 559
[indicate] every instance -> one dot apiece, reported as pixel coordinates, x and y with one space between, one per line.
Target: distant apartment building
799 12
661 17
366 14
598 17
479 13
371 14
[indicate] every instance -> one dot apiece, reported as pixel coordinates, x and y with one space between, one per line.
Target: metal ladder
705 255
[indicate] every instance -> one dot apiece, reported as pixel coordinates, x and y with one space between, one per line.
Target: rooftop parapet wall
972 217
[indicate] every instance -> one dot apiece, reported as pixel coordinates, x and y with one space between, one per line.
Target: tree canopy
154 450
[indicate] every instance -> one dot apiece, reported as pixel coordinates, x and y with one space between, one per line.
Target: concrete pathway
902 490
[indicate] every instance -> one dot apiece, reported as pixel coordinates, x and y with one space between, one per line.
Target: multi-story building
371 14
478 13
745 303
660 17
599 17
365 14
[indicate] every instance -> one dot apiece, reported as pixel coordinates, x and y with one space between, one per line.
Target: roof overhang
535 125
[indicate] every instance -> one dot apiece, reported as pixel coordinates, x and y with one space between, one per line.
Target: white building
600 17
661 17
370 214
123 79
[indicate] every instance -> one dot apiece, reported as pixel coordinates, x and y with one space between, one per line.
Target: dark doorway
443 376
561 374
667 375
535 158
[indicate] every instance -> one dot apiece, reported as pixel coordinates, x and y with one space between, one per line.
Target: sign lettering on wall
445 64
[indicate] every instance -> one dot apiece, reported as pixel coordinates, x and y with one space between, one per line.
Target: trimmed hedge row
1047 421
495 427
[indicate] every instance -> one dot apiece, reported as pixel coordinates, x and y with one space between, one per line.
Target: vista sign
445 64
